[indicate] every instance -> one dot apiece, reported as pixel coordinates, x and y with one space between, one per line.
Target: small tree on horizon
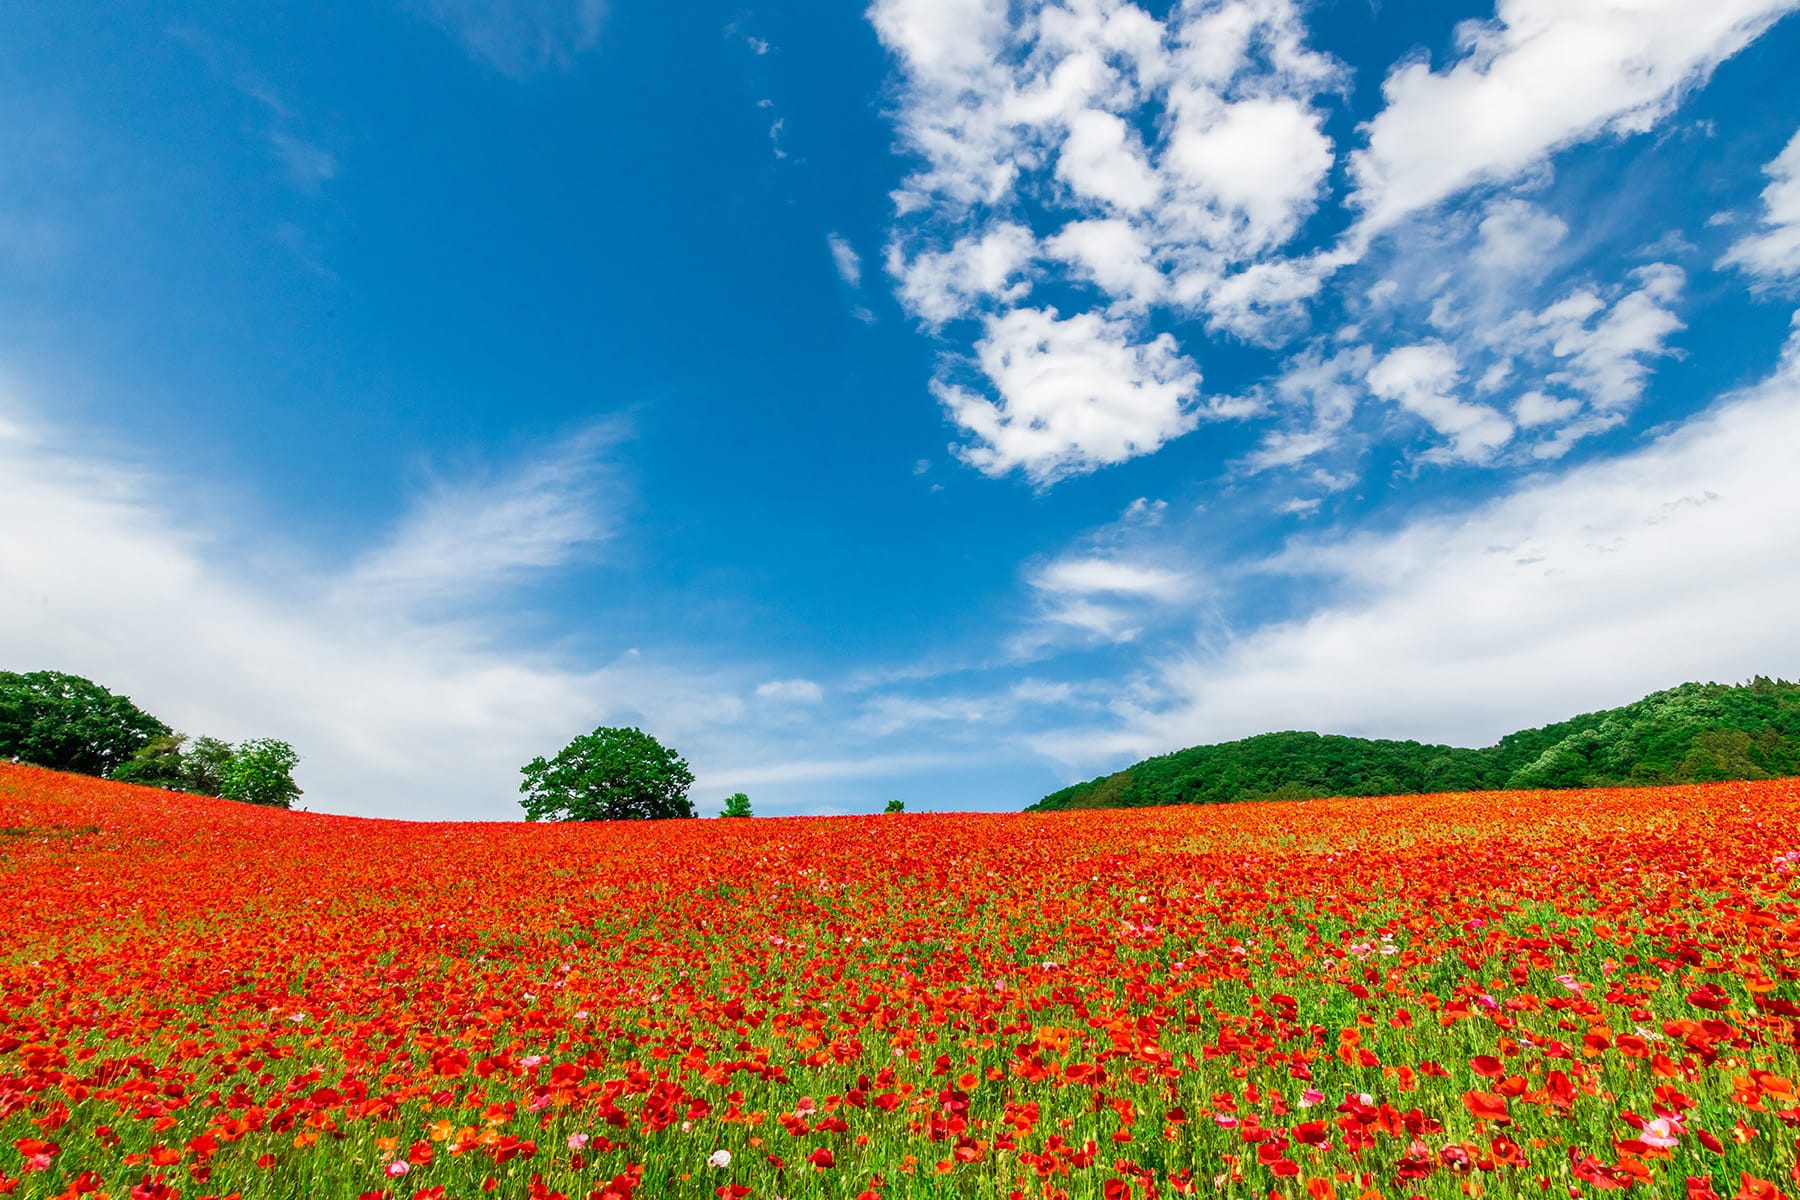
261 771
736 805
611 774
895 806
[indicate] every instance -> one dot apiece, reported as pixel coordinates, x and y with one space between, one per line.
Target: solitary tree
261 771
895 806
736 805
69 723
608 775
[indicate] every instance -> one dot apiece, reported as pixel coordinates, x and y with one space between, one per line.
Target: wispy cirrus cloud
486 531
521 39
845 259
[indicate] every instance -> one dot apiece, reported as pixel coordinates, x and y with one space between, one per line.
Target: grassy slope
1692 733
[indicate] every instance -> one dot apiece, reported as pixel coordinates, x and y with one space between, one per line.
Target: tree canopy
1689 734
261 771
611 774
69 723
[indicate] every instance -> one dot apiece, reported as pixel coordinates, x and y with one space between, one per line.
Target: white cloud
467 538
1543 74
397 709
1258 164
1599 352
845 259
791 691
1160 156
522 38
885 716
1164 164
1423 379
1100 622
1102 160
1535 408
1091 576
943 285
1606 357
1516 236
1074 394
1583 590
1326 390
391 716
1105 594
1773 253
1114 256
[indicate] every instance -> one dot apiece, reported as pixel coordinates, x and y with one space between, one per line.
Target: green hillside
1697 732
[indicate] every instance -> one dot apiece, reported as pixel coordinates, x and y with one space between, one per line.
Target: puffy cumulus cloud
1423 379
940 286
1572 592
1100 159
1543 74
1157 171
1072 394
1772 255
522 38
1148 161
1114 256
1256 165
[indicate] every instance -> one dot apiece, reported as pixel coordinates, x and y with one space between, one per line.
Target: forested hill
1693 733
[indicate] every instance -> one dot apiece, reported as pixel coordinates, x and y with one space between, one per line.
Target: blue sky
940 401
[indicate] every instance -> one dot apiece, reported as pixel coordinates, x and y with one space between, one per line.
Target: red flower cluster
1508 994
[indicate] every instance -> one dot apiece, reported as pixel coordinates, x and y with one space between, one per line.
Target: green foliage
895 806
1689 734
261 771
736 805
608 775
160 763
201 768
69 723
204 765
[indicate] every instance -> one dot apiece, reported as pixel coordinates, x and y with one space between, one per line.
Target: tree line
67 723
1695 733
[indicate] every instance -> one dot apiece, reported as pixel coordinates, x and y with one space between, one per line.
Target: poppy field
1505 994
